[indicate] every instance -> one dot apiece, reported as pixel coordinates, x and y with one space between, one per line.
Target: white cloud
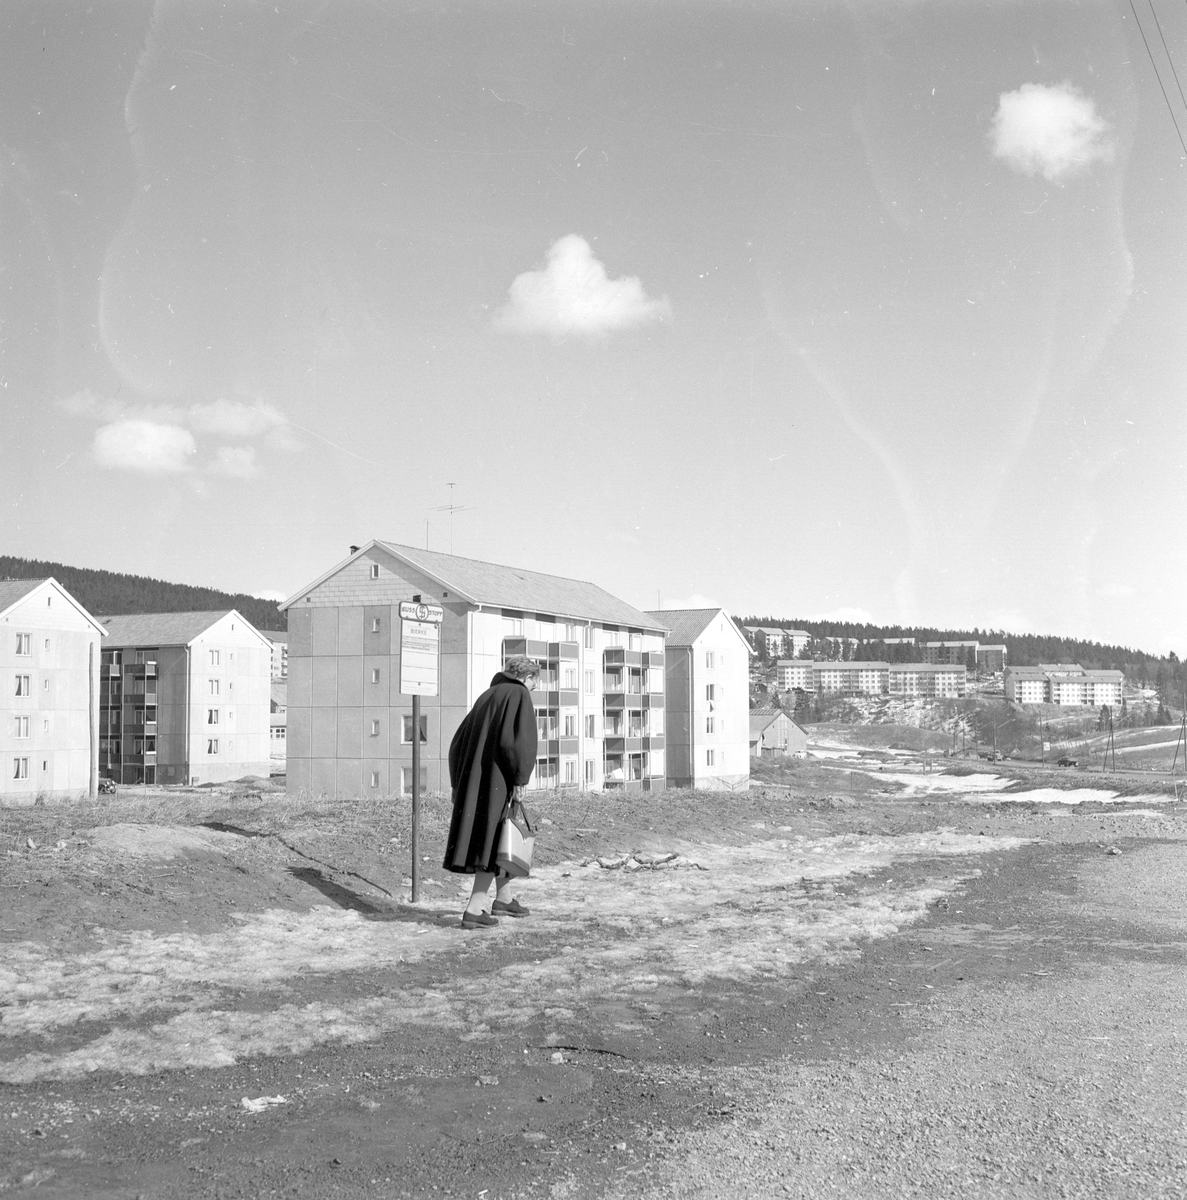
1048 130
239 461
853 616
232 419
138 445
696 600
572 294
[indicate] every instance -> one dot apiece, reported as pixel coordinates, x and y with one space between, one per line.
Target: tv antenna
451 508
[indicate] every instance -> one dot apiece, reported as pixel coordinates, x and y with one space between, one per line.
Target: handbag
516 841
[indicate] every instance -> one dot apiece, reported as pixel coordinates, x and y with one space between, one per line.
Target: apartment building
791 673
280 652
851 678
707 689
928 680
991 659
599 699
951 652
184 698
1067 684
49 693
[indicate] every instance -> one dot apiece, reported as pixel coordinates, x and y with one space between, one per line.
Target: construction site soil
836 982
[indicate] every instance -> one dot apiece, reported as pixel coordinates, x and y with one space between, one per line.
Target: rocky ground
852 979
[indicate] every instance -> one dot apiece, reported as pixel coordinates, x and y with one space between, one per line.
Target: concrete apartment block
599 699
49 693
185 698
707 699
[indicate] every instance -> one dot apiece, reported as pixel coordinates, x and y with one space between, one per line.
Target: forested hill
1022 649
103 593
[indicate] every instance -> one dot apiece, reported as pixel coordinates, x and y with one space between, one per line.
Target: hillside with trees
105 593
1164 672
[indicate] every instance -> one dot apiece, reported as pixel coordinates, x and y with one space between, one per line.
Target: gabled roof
13 591
497 586
761 719
687 624
166 629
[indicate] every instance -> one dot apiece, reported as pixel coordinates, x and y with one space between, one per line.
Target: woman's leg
503 889
482 882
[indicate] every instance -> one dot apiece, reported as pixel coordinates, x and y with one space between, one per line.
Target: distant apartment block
930 680
792 673
850 678
49 693
903 641
184 698
707 698
950 652
280 652
991 659
599 699
1067 684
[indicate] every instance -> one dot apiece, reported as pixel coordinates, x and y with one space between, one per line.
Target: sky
868 309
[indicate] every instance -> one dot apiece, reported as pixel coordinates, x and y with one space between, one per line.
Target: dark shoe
511 908
478 920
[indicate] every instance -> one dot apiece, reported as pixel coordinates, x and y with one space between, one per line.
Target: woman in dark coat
490 758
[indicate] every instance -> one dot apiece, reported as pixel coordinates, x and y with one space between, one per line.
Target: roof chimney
354 549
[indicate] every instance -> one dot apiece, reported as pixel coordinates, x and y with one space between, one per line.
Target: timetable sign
420 646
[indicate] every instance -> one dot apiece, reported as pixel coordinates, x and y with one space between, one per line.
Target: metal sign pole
415 799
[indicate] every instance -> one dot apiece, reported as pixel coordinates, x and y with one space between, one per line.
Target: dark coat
493 751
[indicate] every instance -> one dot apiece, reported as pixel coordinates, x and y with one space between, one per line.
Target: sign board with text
420 646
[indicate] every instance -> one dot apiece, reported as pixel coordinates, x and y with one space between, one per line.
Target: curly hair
520 667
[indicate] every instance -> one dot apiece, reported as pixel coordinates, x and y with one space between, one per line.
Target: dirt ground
855 978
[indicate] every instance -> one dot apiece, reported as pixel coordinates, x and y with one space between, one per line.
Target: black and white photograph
592 599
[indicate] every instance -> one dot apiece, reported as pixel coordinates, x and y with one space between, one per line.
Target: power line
1157 76
1165 47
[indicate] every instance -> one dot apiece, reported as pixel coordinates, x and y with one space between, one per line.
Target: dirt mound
160 841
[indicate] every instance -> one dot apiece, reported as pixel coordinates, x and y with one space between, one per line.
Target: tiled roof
280 693
523 591
12 590
760 721
274 635
159 629
686 624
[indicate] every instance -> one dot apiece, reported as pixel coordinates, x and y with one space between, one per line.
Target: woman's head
520 667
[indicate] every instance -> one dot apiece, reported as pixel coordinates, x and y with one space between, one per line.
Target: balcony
619 655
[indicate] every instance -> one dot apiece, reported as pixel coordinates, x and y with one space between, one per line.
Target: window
722 758
22 727
710 691
45 764
212 716
406 780
587 635
589 770
374 778
613 638
375 728
709 659
22 643
150 714
374 570
570 725
589 683
212 745
214 689
45 684
721 659
45 725
150 687
150 745
514 626
374 624
635 641
24 685
20 768
570 770
591 726
708 758
374 674
708 724
570 632
406 730
140 716
570 678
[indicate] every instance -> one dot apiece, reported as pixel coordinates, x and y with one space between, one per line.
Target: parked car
1065 761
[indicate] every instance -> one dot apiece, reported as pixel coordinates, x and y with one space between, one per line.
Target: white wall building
707 698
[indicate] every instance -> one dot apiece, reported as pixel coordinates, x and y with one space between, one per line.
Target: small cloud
233 419
696 600
239 461
1048 130
572 294
138 445
851 616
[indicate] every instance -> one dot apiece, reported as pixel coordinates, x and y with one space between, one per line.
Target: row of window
24 685
24 644
22 726
20 767
514 628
